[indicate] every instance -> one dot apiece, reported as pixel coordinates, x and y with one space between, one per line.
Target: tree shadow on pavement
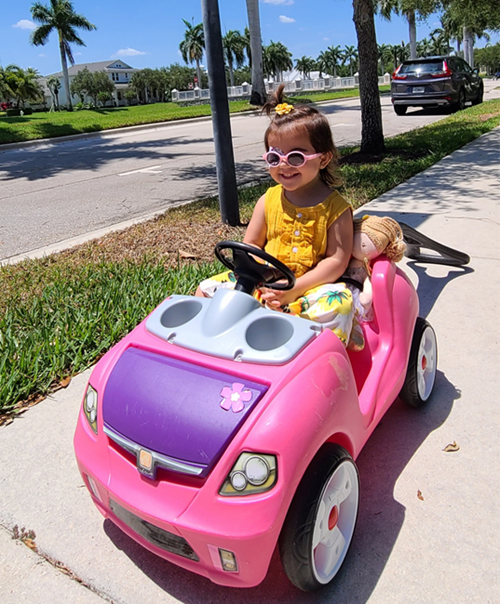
41 162
381 517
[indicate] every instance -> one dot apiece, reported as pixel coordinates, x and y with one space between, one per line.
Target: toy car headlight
90 407
252 473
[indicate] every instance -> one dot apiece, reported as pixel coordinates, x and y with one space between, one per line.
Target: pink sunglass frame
285 158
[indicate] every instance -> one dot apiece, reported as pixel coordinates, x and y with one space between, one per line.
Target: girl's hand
276 299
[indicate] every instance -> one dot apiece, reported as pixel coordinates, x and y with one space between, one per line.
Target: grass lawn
58 315
50 125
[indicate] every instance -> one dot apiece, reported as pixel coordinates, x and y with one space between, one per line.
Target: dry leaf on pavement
419 495
451 447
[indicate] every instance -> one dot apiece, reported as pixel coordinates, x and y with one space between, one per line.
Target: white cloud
284 19
42 56
25 24
128 52
326 39
276 2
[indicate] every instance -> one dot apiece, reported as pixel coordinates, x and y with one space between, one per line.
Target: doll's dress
359 274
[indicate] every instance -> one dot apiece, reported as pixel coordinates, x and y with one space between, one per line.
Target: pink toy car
218 429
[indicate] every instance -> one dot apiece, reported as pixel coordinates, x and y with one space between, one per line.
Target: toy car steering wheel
250 273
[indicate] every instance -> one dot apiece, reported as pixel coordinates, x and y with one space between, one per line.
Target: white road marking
150 170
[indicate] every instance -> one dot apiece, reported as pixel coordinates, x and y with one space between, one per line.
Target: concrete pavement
442 547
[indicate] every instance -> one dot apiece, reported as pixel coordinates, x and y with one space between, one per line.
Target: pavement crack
28 537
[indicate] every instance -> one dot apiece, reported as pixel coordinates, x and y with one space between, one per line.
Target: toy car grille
154 534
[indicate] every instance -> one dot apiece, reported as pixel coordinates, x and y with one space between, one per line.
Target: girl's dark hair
304 118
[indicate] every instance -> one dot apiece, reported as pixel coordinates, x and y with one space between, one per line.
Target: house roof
111 64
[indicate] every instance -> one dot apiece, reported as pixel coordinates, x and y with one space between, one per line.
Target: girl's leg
331 305
208 287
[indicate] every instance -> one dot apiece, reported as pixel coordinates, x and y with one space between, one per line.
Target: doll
373 235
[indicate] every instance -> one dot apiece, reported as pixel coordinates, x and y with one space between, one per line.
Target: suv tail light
395 75
443 74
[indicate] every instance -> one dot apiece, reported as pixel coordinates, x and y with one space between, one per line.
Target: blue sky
147 33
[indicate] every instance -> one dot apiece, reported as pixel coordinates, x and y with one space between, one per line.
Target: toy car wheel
422 366
400 109
320 523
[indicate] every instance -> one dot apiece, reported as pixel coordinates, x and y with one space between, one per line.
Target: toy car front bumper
178 522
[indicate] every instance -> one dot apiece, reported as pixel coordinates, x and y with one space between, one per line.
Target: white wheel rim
426 363
335 520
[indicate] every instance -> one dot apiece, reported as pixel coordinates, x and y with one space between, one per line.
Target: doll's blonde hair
385 233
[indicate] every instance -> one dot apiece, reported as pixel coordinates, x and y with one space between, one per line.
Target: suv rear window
421 67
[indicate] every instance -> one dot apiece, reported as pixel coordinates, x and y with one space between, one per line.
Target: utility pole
224 157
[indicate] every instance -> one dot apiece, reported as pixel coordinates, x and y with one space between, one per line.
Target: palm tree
424 48
280 59
233 46
5 91
305 65
350 55
138 82
54 85
329 59
384 53
399 53
411 10
23 84
439 43
256 54
372 132
61 17
193 45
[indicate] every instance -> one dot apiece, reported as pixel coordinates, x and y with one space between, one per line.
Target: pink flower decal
235 397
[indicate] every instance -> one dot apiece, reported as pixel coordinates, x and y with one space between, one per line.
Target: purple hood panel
175 408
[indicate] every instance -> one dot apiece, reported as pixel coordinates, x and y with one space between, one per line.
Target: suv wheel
400 109
460 104
480 93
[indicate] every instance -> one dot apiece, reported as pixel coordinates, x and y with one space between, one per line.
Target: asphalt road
56 190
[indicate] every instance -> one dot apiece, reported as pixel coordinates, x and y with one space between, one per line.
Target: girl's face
290 177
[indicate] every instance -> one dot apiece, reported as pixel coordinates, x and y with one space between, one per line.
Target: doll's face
363 247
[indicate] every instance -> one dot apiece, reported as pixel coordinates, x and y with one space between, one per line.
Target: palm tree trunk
259 95
198 73
412 27
69 105
468 42
372 135
231 74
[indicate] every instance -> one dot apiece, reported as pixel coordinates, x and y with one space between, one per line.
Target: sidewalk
442 548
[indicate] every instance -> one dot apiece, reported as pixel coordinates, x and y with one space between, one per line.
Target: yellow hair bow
283 108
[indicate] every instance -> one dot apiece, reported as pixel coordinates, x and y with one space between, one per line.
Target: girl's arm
328 270
256 233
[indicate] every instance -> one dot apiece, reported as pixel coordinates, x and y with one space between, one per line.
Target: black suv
433 82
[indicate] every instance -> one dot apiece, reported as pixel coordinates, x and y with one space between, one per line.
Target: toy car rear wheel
422 366
400 109
320 523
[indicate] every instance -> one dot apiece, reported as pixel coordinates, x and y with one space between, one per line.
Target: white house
118 71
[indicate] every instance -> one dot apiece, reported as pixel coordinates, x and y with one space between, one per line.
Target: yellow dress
298 237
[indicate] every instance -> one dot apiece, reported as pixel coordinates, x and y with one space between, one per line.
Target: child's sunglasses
296 159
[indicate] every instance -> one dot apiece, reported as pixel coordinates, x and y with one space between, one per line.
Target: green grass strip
57 319
51 125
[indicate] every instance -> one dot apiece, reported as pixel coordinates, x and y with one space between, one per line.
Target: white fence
245 90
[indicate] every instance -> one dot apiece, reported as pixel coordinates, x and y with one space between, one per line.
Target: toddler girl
302 221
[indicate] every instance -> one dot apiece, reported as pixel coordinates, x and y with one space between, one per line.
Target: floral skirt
330 304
